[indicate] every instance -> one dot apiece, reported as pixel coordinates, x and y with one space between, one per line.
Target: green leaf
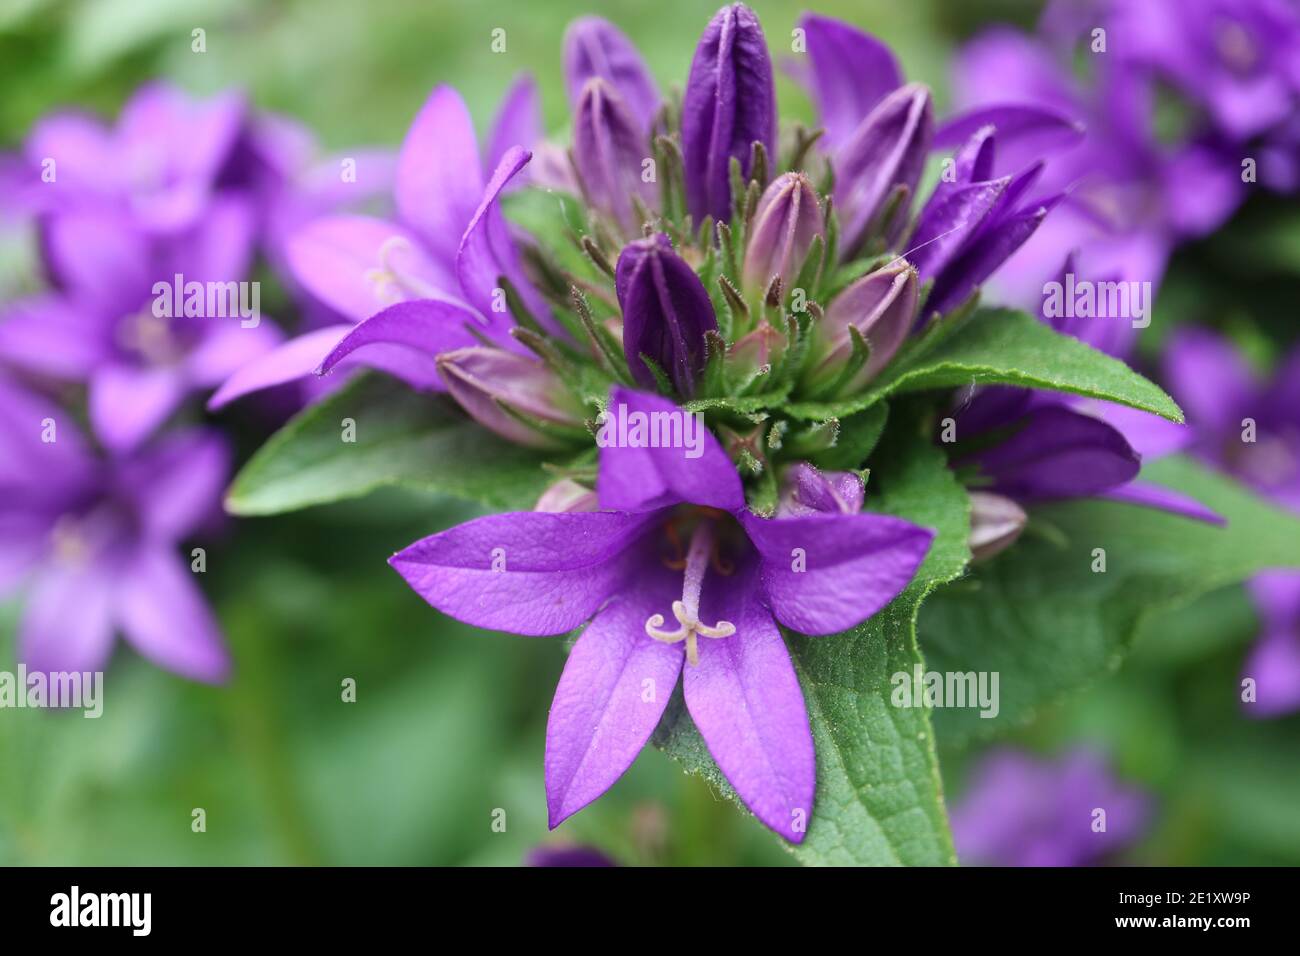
879 796
402 438
1048 624
1003 347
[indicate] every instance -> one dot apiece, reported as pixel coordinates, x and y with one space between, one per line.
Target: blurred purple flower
92 543
1135 190
107 321
676 534
1250 428
567 856
1021 810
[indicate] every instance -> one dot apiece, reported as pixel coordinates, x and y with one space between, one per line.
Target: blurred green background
449 723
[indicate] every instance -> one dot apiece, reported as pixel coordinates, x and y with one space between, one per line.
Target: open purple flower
443 257
159 167
143 319
678 579
1020 810
92 544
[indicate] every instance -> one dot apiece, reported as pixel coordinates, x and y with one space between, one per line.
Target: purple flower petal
825 573
555 570
67 622
851 71
294 359
438 179
1058 453
52 335
637 479
177 485
488 252
227 347
1209 379
594 47
518 121
127 402
1163 499
990 249
1023 130
357 265
611 695
164 616
421 329
1274 663
1277 595
730 104
99 258
746 701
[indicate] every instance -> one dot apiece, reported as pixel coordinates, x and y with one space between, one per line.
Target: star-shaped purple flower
678 579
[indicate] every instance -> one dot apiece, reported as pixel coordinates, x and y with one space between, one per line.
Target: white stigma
687 610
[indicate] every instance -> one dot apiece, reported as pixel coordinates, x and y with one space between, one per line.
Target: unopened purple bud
807 491
608 152
995 523
567 496
886 153
482 380
666 313
730 104
594 47
881 306
788 219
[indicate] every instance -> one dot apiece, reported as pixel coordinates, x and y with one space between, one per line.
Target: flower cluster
685 265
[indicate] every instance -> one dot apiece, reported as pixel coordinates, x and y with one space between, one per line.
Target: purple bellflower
92 543
440 262
159 167
1250 429
679 580
1020 810
132 314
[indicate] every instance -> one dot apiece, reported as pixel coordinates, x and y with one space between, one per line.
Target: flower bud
881 306
886 153
666 313
788 219
491 384
594 47
608 150
995 523
807 491
730 104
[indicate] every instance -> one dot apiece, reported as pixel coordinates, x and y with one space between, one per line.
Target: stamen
687 610
393 283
